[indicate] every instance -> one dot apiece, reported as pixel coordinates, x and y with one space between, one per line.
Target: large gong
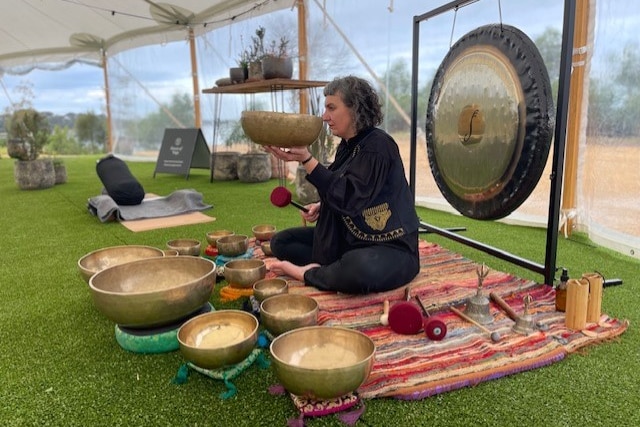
489 122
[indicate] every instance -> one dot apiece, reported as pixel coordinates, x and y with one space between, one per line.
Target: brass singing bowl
153 292
103 258
282 313
232 246
185 246
265 288
213 236
266 248
322 362
263 232
243 273
219 338
281 129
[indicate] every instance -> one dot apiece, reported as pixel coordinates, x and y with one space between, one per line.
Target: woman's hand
312 215
293 154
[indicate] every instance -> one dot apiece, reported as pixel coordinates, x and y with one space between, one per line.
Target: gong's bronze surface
489 122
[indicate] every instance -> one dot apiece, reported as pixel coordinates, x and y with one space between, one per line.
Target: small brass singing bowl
219 338
100 259
322 362
263 232
213 236
171 252
267 288
243 273
232 246
266 248
282 313
185 246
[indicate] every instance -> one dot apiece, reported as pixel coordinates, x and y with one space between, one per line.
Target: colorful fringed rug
414 367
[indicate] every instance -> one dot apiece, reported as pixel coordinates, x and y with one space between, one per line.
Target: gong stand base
498 253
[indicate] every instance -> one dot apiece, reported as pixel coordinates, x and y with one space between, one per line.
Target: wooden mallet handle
498 300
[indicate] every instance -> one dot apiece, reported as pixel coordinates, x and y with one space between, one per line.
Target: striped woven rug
414 367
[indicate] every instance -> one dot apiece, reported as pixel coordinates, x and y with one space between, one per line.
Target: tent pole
194 75
576 96
107 97
302 53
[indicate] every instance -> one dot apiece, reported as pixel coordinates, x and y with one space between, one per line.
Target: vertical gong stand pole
559 141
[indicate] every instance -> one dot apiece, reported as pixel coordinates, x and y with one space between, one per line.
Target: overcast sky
379 35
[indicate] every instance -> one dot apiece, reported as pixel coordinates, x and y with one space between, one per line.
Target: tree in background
63 142
90 129
149 131
398 81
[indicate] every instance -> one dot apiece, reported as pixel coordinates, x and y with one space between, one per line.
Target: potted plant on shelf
277 62
254 55
240 73
27 133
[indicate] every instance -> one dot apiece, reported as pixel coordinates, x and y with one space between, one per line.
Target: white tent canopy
57 33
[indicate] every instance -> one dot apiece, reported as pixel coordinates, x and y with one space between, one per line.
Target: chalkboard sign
181 150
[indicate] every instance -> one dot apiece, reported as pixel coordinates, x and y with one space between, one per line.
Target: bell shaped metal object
525 324
478 306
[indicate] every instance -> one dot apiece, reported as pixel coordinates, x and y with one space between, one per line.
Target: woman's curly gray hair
358 95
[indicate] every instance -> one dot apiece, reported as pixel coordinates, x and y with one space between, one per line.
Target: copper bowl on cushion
233 246
282 313
322 362
243 273
185 246
219 338
265 288
263 232
213 236
153 292
281 129
103 258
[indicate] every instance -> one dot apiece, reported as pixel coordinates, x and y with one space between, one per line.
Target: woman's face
339 117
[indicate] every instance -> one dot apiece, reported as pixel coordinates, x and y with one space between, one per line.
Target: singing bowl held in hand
281 129
103 258
322 362
219 338
153 292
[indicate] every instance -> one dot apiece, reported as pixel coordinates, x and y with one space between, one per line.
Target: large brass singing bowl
281 129
322 362
219 338
243 273
153 292
103 258
282 313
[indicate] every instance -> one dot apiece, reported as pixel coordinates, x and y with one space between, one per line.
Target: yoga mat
168 221
146 224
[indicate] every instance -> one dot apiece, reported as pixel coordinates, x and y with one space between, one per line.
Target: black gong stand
553 221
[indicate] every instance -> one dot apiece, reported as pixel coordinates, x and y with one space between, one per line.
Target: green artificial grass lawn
61 366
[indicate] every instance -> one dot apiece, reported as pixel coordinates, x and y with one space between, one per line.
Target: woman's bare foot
289 269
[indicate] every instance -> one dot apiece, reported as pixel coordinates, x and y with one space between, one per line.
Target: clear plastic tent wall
379 48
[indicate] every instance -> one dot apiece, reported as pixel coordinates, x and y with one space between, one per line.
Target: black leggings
375 268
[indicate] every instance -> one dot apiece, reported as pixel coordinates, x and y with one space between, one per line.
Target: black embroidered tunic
366 200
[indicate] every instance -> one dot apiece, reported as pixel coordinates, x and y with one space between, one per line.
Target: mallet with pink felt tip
281 197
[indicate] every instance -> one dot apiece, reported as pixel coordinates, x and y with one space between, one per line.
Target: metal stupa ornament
525 324
478 306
